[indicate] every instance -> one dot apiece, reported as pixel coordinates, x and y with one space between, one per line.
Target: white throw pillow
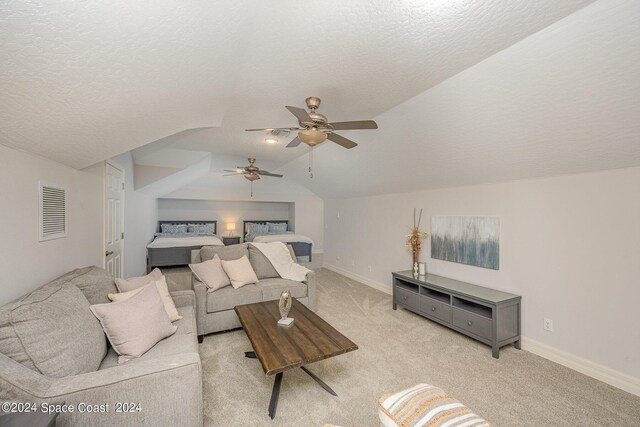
240 272
126 285
211 273
163 290
136 324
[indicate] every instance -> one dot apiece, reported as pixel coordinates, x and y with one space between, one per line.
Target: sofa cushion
163 290
51 330
240 272
211 273
94 282
261 264
226 253
126 285
136 324
272 288
227 298
183 341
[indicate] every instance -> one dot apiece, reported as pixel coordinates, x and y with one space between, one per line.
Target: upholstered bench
425 405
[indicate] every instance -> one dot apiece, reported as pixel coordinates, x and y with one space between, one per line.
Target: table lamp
231 228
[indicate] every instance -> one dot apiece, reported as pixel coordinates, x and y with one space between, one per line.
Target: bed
174 242
277 231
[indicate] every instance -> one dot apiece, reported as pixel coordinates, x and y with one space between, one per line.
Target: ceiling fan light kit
312 137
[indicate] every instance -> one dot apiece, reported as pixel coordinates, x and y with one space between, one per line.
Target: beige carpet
397 350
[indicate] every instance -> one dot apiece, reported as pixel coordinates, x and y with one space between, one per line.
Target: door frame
104 213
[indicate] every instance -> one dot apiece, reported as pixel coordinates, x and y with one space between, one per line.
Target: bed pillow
174 228
134 325
258 229
211 273
240 272
126 285
163 290
277 227
201 228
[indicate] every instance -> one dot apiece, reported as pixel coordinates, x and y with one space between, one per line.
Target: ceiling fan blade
265 173
233 170
300 113
358 124
231 174
295 142
270 129
341 140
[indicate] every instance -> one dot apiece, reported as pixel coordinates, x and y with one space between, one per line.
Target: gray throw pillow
135 325
261 264
53 331
226 253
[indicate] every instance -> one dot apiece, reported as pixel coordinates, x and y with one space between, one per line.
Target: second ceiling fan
314 128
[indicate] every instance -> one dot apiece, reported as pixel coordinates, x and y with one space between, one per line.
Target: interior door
114 220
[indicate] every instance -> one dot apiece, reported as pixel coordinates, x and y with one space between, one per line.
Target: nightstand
231 240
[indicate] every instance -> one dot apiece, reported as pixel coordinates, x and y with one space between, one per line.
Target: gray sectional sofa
215 311
51 351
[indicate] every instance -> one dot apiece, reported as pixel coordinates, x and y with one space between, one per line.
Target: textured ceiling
82 81
562 101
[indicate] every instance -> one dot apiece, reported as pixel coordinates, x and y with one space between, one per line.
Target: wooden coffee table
280 348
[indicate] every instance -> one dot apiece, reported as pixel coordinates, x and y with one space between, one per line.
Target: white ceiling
82 81
562 101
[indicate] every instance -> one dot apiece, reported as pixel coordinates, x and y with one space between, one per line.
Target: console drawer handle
404 298
469 322
433 309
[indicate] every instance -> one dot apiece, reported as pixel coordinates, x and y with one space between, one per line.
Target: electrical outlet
337 258
369 269
353 263
547 325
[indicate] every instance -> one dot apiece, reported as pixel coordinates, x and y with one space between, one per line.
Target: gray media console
484 314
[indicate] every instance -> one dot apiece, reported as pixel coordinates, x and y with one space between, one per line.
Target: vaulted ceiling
84 81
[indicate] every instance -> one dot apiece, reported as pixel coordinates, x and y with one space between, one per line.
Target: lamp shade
312 136
231 226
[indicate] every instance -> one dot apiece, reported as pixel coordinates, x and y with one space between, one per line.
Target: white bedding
268 238
179 242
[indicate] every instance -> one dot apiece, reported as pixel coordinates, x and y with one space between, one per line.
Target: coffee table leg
319 381
275 394
250 354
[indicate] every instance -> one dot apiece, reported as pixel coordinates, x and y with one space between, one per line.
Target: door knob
107 253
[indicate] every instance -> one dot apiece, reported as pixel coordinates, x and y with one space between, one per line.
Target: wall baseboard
594 370
602 373
358 278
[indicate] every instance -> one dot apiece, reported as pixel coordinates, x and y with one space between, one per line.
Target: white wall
307 213
25 262
223 211
569 245
140 220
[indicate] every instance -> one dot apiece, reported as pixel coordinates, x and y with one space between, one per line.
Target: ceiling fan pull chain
311 162
251 188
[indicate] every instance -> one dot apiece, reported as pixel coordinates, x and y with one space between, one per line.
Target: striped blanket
425 405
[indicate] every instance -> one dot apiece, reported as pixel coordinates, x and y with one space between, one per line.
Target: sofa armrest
201 291
310 280
186 298
153 383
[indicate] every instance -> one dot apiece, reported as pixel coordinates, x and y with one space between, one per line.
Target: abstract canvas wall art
472 240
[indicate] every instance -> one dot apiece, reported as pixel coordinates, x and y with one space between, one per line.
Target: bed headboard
213 223
245 224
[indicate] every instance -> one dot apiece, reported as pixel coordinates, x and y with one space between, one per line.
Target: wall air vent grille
53 212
